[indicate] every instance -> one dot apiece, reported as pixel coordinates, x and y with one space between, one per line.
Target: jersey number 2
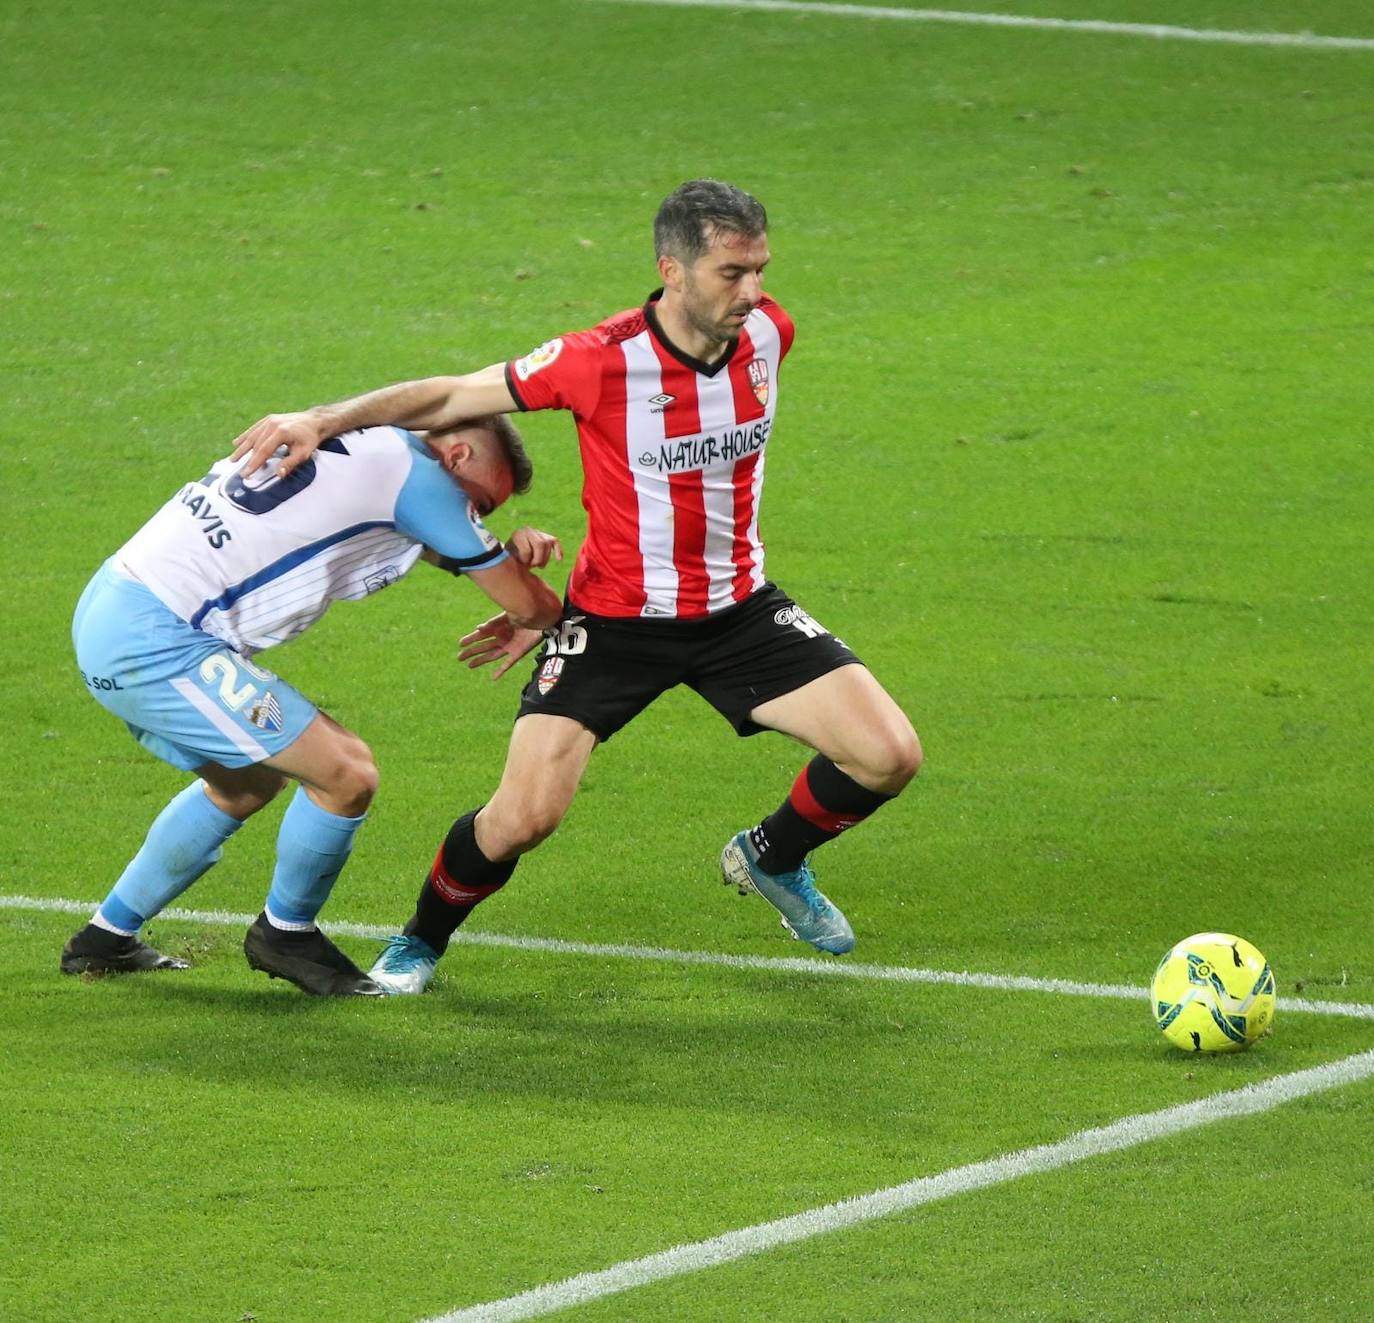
219 665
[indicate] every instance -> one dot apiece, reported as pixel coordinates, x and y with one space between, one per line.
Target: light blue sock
183 842
312 847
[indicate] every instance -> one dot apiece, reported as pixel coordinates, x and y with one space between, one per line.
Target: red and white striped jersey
672 459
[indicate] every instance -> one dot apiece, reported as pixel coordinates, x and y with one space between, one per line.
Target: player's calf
461 877
823 802
240 792
185 840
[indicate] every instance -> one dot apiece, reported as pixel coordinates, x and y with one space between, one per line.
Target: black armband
462 564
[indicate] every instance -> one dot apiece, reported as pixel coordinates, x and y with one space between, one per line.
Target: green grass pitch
1073 449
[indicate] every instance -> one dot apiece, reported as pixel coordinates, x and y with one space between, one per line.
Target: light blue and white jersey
255 562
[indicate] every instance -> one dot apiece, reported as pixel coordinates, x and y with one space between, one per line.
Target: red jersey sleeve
786 330
563 373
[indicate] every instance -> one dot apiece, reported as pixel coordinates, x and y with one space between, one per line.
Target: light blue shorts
185 695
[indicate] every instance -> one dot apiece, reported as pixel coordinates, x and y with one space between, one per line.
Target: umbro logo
660 402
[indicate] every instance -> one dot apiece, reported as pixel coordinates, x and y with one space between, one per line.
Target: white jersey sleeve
254 562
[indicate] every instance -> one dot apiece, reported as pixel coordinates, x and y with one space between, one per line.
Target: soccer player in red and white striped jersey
674 404
673 455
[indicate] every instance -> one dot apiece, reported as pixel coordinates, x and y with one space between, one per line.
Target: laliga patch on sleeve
538 359
489 539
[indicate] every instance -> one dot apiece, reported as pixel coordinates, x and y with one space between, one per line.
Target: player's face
480 468
724 285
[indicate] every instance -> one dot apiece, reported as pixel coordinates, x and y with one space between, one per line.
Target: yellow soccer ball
1213 993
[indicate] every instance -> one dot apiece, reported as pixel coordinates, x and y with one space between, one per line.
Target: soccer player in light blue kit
165 636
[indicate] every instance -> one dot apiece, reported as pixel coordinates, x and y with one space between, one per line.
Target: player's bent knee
910 756
363 780
897 759
536 825
506 831
352 784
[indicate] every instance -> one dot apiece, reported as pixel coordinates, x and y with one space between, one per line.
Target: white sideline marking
1126 1133
769 964
1159 31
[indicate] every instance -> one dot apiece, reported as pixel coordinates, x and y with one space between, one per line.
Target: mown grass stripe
668 955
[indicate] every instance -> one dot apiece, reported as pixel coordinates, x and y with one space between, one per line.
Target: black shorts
603 670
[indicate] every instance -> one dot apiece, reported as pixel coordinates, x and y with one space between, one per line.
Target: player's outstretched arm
501 639
430 404
528 602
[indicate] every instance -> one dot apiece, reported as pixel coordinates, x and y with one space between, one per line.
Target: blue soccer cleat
405 966
806 913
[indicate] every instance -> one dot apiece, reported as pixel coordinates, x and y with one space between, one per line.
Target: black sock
461 878
824 801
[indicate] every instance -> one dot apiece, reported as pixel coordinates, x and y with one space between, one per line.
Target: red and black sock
462 877
824 801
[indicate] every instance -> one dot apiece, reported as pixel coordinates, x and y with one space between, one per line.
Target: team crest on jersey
758 379
266 715
538 359
549 673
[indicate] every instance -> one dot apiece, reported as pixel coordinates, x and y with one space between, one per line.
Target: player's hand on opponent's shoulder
301 434
534 547
497 640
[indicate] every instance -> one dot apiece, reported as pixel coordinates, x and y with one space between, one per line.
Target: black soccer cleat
309 960
94 950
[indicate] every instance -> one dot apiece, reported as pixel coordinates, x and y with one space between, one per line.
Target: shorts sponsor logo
758 379
549 673
101 683
799 619
266 714
381 578
538 359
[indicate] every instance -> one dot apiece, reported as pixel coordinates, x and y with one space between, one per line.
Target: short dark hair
694 212
508 438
